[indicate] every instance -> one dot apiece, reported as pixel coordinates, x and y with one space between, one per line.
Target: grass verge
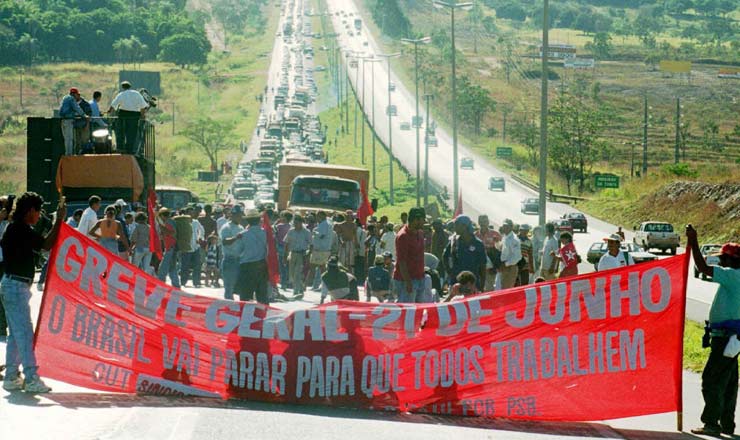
694 356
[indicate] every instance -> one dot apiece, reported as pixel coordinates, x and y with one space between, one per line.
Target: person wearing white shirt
614 256
511 253
89 217
131 107
388 241
549 265
191 261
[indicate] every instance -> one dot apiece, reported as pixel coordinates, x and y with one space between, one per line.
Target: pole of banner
679 373
52 258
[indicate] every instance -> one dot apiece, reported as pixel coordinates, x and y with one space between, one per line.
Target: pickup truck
657 235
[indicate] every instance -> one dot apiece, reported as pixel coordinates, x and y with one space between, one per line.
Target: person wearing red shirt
408 275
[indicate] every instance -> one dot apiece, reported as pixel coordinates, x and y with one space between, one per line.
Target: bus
324 192
175 197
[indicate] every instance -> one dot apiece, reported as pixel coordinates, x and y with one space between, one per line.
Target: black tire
703 277
696 274
673 251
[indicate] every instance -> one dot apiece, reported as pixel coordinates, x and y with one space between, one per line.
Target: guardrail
550 195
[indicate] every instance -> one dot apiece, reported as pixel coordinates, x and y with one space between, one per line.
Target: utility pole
20 88
645 136
452 6
372 92
346 91
364 112
416 119
678 129
354 93
543 116
391 198
427 97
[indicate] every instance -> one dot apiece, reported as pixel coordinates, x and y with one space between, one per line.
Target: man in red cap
720 377
69 110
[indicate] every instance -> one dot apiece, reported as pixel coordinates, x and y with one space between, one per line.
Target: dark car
577 220
496 183
530 206
562 225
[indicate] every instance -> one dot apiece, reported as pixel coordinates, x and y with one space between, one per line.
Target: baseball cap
508 222
613 237
74 91
121 203
731 250
237 209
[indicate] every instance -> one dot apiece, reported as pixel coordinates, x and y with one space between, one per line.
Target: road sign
504 152
606 181
417 121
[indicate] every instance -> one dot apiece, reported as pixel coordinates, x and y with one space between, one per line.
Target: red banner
592 347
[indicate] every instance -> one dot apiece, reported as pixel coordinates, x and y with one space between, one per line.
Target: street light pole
364 111
644 136
452 6
354 93
427 97
543 117
372 90
391 198
415 120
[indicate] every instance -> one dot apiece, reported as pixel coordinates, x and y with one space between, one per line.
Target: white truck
657 235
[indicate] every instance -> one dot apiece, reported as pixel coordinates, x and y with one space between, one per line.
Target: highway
477 199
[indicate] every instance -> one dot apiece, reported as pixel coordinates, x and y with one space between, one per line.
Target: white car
708 251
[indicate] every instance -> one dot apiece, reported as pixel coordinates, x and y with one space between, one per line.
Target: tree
601 46
474 103
575 126
390 17
184 50
525 131
210 136
475 20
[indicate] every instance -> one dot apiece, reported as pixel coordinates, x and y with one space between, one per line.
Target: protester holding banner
719 380
168 265
19 243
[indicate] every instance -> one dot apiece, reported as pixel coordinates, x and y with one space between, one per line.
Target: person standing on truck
18 244
69 110
130 107
96 118
720 378
89 216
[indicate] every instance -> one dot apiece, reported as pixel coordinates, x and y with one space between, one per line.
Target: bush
680 170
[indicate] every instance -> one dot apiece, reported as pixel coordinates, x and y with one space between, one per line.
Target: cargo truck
110 176
320 186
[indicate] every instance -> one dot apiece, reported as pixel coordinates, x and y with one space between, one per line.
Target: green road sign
504 152
606 181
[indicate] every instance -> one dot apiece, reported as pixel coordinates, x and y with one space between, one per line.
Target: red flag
458 209
569 255
365 210
273 271
155 244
